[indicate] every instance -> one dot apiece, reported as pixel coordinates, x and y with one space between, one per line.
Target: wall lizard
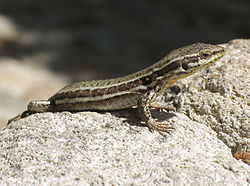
138 89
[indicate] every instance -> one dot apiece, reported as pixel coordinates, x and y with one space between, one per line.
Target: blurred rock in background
45 44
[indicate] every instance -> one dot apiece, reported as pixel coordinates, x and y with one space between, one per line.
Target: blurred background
47 44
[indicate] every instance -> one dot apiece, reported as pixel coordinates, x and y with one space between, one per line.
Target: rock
94 148
113 148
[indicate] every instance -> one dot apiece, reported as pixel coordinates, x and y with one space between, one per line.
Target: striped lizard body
138 89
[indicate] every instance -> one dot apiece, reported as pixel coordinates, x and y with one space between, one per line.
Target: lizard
139 89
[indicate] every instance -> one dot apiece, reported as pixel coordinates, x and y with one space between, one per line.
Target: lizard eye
184 66
205 55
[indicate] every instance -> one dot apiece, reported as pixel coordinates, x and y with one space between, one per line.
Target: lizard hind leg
39 106
33 107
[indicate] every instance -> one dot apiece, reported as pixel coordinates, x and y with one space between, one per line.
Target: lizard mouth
217 57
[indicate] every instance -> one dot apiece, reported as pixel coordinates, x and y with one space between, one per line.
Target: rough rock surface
96 148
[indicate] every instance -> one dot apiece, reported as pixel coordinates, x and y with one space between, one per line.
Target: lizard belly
113 103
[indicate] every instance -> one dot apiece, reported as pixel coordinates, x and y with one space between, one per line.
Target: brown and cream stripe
124 92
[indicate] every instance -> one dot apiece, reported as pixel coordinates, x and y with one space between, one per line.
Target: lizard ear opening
184 66
147 80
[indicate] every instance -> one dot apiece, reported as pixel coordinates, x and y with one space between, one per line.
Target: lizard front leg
145 113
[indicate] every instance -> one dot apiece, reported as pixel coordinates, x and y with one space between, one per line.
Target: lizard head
185 61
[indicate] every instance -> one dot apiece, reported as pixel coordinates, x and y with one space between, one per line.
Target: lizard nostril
184 66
